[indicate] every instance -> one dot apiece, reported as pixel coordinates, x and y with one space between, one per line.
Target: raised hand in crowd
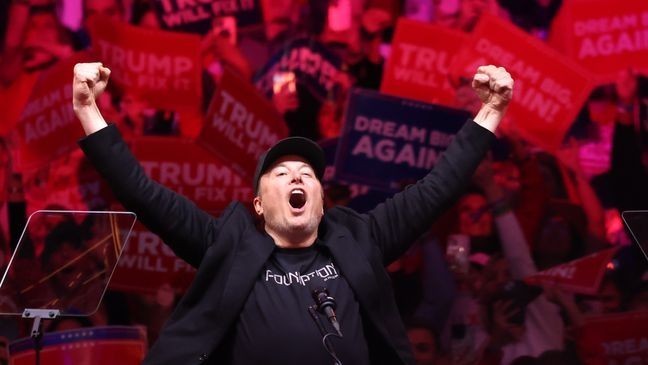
470 11
46 50
285 99
378 16
569 157
484 178
332 109
220 47
503 329
45 40
113 9
566 301
327 119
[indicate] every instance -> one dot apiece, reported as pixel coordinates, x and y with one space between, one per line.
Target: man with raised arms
249 301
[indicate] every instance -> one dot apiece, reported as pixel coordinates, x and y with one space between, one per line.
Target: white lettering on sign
626 347
146 251
423 58
145 62
390 129
48 122
563 271
385 150
613 44
519 68
605 25
190 174
141 69
241 126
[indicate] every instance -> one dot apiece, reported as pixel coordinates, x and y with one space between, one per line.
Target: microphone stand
36 332
312 310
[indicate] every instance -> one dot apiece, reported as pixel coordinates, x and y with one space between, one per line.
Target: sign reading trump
241 124
419 65
162 67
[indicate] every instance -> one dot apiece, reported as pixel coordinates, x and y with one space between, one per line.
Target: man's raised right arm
181 224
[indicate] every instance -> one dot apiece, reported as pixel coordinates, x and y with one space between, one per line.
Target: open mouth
297 198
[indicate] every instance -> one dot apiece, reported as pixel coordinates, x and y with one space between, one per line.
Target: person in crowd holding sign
521 320
249 302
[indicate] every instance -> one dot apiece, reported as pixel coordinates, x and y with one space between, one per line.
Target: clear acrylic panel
64 260
637 223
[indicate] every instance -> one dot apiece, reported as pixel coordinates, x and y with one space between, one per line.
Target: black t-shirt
275 326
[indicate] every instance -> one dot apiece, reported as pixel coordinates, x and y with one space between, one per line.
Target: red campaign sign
189 169
94 345
420 60
549 89
48 128
162 67
14 98
147 264
241 124
604 36
181 165
616 339
581 276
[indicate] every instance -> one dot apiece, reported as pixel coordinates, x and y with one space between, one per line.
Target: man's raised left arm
396 223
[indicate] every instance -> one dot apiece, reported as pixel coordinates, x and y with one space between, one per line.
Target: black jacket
229 252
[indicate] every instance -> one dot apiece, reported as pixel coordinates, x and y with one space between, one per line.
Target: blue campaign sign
314 66
363 199
388 142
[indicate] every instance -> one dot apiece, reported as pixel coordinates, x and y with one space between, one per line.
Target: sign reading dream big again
389 141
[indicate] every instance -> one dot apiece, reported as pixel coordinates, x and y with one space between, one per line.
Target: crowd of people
527 210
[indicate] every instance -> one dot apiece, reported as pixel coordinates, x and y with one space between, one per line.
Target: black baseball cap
299 146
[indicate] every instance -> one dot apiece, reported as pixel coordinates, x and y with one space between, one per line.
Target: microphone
326 305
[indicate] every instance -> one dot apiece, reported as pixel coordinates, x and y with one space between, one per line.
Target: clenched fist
494 86
90 80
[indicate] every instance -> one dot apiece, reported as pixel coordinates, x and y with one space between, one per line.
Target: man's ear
257 205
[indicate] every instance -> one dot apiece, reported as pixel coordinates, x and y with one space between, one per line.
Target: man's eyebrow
283 164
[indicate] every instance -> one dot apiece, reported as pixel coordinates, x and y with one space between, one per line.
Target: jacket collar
351 260
248 259
355 266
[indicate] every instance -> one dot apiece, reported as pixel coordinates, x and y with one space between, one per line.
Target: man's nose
296 177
